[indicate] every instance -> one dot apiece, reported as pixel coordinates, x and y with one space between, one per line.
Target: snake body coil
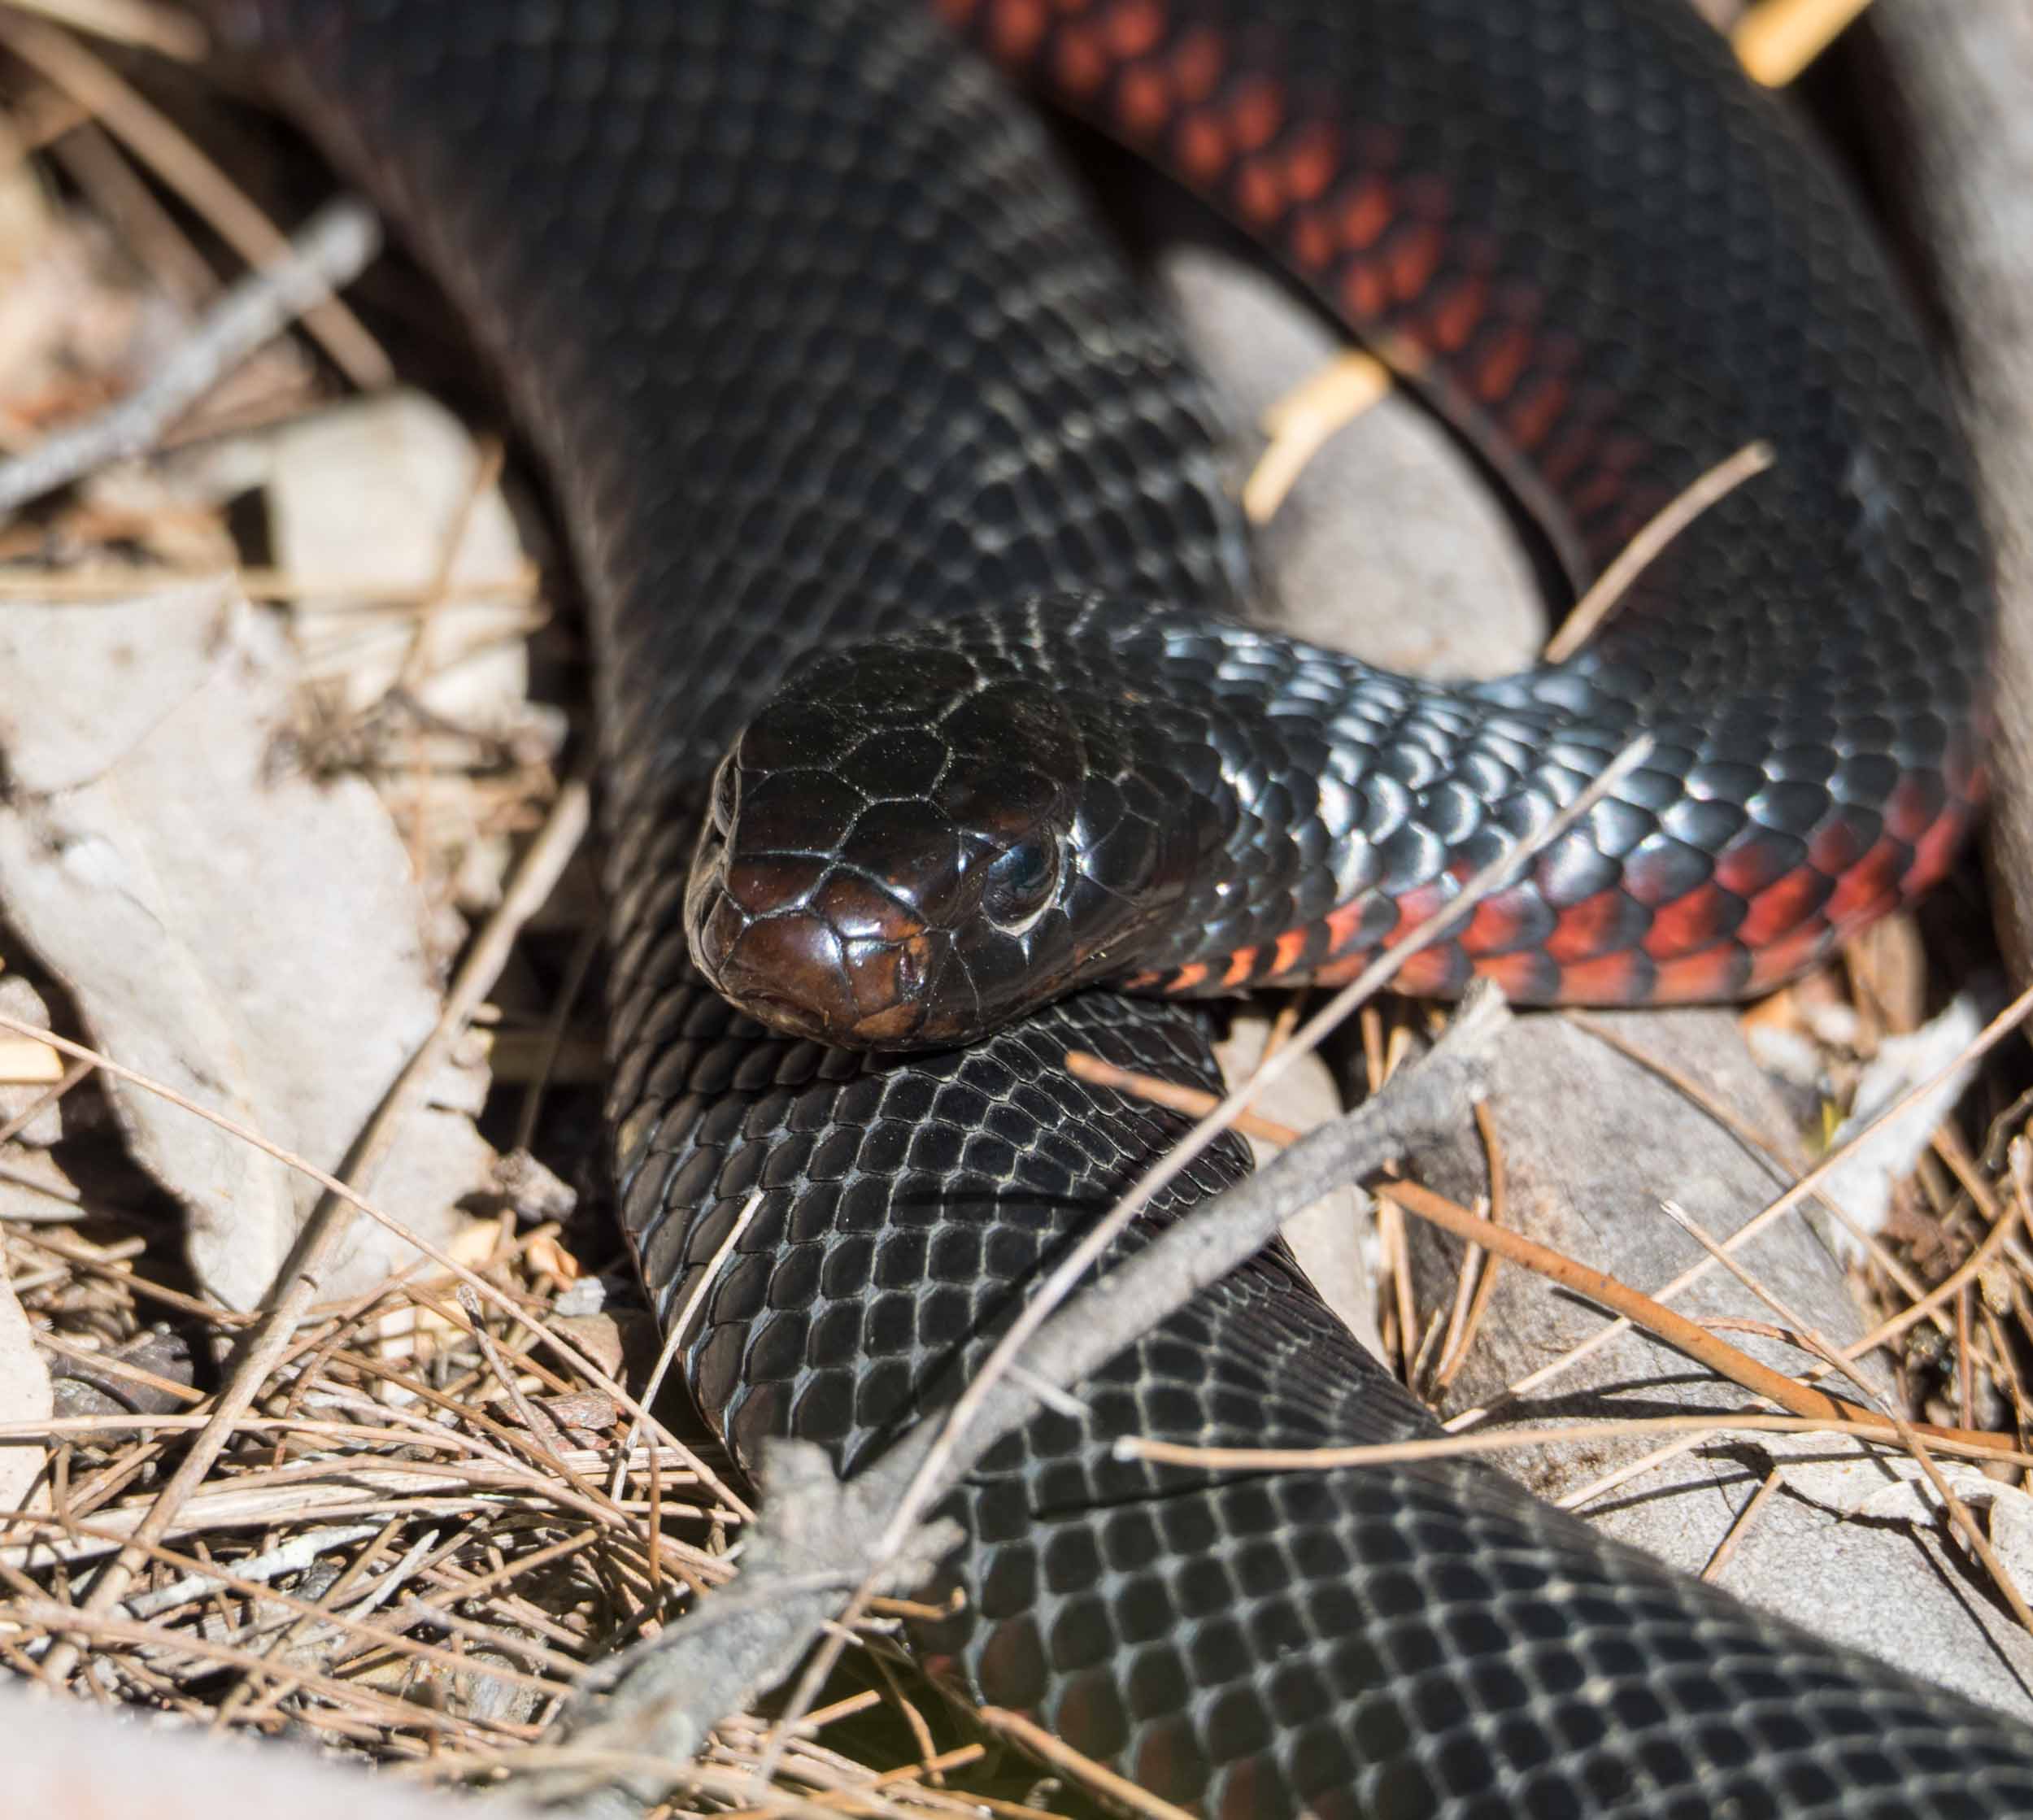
814 342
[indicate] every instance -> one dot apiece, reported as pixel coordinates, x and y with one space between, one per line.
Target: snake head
894 854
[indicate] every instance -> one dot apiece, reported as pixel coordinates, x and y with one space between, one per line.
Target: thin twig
1713 1571
48 1096
1459 1344
1301 422
167 31
335 246
1879 1428
1048 1747
1775 40
1585 618
1767 1155
1684 1336
679 1326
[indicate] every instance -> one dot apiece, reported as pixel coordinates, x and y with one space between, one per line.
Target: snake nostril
726 796
773 963
717 929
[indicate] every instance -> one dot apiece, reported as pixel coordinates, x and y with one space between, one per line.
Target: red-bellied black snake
817 342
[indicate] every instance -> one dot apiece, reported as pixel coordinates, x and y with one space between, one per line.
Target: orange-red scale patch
1911 809
1834 846
1963 770
1014 26
1786 957
1868 885
1751 863
1711 974
1198 60
1430 970
1566 454
1312 160
1363 217
1340 972
1610 979
1497 923
1290 946
1080 59
1602 490
1454 316
1143 100
1934 852
1414 256
1259 192
1200 144
1363 293
1781 906
1531 418
1522 976
1255 111
1416 904
1134 27
1311 244
1690 923
1344 922
1498 370
1585 928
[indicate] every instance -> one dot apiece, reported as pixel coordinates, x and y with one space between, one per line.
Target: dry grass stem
1775 40
1062 1756
1586 616
143 24
1878 1429
1462 1336
1745 1519
1300 424
1697 1342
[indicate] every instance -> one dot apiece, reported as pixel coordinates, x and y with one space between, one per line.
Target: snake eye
726 797
1020 884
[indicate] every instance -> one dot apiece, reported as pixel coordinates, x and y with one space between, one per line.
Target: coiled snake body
816 342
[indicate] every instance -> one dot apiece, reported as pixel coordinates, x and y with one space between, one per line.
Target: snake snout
794 973
832 959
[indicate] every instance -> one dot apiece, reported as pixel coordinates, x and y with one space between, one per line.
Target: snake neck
1276 806
1311 810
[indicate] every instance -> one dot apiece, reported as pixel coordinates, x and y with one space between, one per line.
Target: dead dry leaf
224 923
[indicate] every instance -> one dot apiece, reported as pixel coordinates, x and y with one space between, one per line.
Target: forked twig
332 248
